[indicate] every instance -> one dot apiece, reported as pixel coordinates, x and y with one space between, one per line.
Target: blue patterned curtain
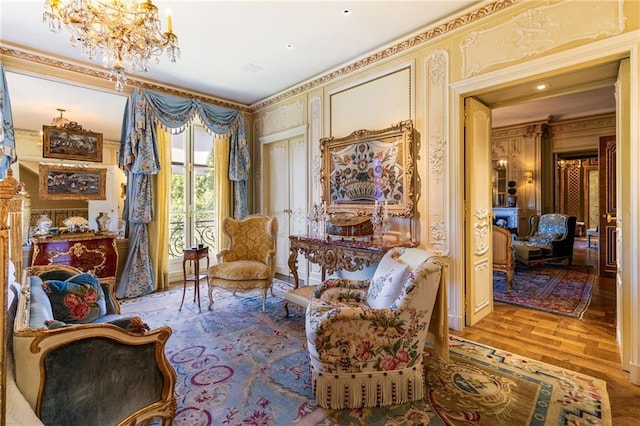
139 158
7 138
175 113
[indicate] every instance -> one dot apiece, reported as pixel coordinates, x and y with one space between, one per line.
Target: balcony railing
204 233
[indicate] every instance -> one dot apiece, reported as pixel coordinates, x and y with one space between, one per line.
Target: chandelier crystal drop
127 32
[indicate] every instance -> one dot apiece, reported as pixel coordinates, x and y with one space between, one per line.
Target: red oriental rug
560 289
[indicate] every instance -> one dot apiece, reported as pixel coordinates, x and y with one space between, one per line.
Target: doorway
522 74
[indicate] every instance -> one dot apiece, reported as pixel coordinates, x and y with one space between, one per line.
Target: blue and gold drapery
139 158
7 137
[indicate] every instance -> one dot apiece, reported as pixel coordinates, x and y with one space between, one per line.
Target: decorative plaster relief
284 117
436 129
538 30
315 133
481 231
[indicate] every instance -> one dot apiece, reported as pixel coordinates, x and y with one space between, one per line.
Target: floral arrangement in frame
71 142
370 168
72 182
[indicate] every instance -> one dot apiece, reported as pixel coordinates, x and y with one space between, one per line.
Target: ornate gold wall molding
538 30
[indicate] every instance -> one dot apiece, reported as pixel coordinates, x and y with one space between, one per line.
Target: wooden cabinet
89 252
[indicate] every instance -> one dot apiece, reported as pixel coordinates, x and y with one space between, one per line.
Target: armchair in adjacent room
249 261
366 337
503 259
550 236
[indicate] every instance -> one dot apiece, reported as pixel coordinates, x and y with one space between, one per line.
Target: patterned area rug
239 366
564 290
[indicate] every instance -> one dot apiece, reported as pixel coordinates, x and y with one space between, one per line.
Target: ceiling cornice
25 55
394 50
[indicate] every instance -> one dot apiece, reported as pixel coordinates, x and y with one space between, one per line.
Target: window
192 201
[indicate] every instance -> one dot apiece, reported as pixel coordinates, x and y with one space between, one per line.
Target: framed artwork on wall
369 168
71 142
76 182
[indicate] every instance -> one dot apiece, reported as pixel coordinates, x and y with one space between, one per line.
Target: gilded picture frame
71 142
72 182
369 167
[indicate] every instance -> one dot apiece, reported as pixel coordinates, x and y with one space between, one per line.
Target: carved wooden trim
437 66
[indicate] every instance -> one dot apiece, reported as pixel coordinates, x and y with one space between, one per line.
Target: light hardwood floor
586 345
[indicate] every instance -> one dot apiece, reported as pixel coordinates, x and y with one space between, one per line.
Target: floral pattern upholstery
365 357
249 262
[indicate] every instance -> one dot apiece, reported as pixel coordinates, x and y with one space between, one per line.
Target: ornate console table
338 255
89 252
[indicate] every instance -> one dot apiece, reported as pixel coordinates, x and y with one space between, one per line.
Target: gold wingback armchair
249 261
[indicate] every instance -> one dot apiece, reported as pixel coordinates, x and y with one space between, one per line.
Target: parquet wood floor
586 345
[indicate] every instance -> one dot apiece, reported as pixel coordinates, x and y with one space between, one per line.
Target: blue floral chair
550 236
366 337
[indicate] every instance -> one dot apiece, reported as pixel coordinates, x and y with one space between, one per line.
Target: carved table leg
293 264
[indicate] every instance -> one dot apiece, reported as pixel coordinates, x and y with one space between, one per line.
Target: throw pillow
386 282
77 300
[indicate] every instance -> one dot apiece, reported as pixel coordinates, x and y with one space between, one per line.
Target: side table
194 254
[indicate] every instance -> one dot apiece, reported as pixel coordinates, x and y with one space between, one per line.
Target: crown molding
21 57
394 50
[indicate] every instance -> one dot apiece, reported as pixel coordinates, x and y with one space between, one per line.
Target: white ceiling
250 34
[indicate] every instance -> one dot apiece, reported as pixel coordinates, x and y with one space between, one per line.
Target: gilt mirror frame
370 166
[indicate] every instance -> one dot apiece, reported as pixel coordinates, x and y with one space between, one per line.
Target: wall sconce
528 175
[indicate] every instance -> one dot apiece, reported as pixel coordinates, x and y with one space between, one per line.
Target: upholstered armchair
366 337
503 259
550 236
249 261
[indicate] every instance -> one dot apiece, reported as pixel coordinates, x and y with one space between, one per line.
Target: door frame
607 50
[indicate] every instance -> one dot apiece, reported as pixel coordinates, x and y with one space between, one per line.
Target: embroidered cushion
77 300
386 283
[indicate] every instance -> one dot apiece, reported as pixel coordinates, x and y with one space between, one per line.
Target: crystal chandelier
59 121
126 31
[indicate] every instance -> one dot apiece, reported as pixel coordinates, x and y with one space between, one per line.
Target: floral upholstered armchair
550 235
366 337
249 261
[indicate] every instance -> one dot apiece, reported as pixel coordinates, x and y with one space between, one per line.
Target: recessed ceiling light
541 86
346 12
289 46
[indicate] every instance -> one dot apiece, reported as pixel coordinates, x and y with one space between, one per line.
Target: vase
43 224
103 220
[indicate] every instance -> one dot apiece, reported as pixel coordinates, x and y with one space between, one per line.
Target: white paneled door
285 164
478 211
